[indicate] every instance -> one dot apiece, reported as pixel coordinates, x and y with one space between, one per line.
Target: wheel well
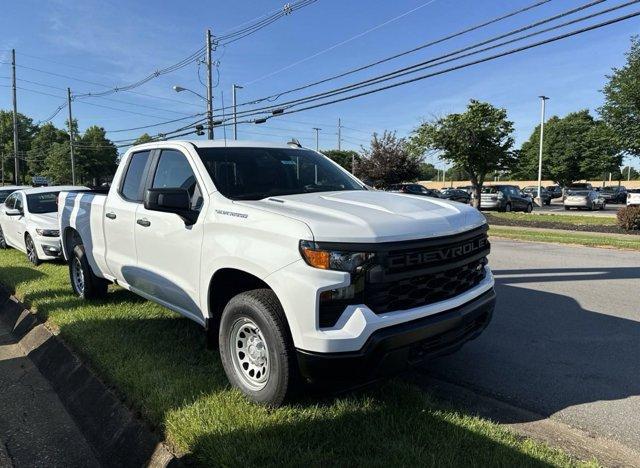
225 284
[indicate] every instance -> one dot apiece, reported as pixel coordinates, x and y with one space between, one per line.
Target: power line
298 62
436 61
407 52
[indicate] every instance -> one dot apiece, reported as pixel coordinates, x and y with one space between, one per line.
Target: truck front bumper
393 349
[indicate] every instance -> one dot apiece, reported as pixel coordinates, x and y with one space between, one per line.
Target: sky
93 45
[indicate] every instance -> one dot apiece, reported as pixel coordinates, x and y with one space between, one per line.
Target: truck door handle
111 215
144 222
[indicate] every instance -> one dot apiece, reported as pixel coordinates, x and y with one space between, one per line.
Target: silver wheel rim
31 250
77 275
249 353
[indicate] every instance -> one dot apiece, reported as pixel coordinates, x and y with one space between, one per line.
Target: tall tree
621 109
343 157
26 130
144 138
477 141
98 156
575 147
41 144
388 161
57 165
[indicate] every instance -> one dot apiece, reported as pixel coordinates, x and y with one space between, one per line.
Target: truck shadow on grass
546 353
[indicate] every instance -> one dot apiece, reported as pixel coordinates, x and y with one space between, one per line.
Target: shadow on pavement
544 352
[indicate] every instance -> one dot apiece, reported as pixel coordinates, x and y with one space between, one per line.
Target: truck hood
44 220
372 216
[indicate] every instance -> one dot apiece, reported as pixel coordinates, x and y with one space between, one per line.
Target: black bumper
394 349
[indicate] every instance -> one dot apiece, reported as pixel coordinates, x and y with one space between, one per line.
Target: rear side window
174 171
134 178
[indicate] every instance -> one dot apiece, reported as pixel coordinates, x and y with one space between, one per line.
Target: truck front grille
421 290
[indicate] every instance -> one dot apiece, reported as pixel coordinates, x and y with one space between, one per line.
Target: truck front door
169 249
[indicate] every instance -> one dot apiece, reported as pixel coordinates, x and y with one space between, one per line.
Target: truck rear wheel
84 282
256 349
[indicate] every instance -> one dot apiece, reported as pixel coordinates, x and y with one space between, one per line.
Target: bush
629 218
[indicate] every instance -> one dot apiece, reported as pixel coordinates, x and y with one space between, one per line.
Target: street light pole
543 100
235 115
15 119
209 88
317 138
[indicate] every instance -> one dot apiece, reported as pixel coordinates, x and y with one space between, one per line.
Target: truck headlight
48 232
324 259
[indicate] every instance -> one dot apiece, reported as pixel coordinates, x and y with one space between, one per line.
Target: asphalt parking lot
565 338
558 208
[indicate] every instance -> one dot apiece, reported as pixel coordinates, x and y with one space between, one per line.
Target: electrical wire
437 61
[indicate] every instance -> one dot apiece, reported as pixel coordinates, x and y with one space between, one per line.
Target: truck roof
53 188
221 143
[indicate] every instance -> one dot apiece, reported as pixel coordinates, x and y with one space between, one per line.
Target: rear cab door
120 216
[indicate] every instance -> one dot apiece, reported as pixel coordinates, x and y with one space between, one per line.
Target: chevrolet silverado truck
297 271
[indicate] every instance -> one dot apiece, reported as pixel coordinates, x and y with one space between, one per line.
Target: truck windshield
257 173
43 202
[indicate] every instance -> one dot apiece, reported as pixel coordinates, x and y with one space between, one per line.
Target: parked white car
633 197
296 270
584 199
29 222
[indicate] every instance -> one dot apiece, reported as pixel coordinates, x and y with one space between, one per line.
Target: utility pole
15 120
209 88
628 174
543 101
317 138
340 138
73 162
2 156
235 115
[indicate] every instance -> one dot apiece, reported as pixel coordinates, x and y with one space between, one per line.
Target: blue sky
114 42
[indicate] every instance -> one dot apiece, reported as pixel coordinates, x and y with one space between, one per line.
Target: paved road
565 338
35 429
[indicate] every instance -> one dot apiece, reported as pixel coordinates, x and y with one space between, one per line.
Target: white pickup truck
297 271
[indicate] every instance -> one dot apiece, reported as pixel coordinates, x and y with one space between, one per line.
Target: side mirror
13 212
171 200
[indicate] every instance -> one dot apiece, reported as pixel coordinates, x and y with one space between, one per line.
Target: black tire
3 241
567 208
84 282
548 203
260 315
529 208
32 252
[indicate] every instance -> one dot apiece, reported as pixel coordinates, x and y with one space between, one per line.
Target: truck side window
133 180
174 171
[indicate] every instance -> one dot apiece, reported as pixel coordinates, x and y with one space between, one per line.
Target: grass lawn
158 362
575 220
577 238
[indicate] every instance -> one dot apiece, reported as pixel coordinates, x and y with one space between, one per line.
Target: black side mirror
171 200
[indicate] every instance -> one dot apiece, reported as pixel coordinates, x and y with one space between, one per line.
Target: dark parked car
414 189
505 198
532 191
554 190
617 194
458 195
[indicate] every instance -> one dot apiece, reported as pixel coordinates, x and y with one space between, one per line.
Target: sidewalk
35 428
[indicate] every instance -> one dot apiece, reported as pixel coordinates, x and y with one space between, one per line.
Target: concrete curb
117 437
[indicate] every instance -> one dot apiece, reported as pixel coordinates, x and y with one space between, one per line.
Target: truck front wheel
256 349
84 282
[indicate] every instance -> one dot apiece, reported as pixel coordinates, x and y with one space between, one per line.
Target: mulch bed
496 221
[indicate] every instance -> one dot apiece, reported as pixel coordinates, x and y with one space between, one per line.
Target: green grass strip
576 220
577 238
158 361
